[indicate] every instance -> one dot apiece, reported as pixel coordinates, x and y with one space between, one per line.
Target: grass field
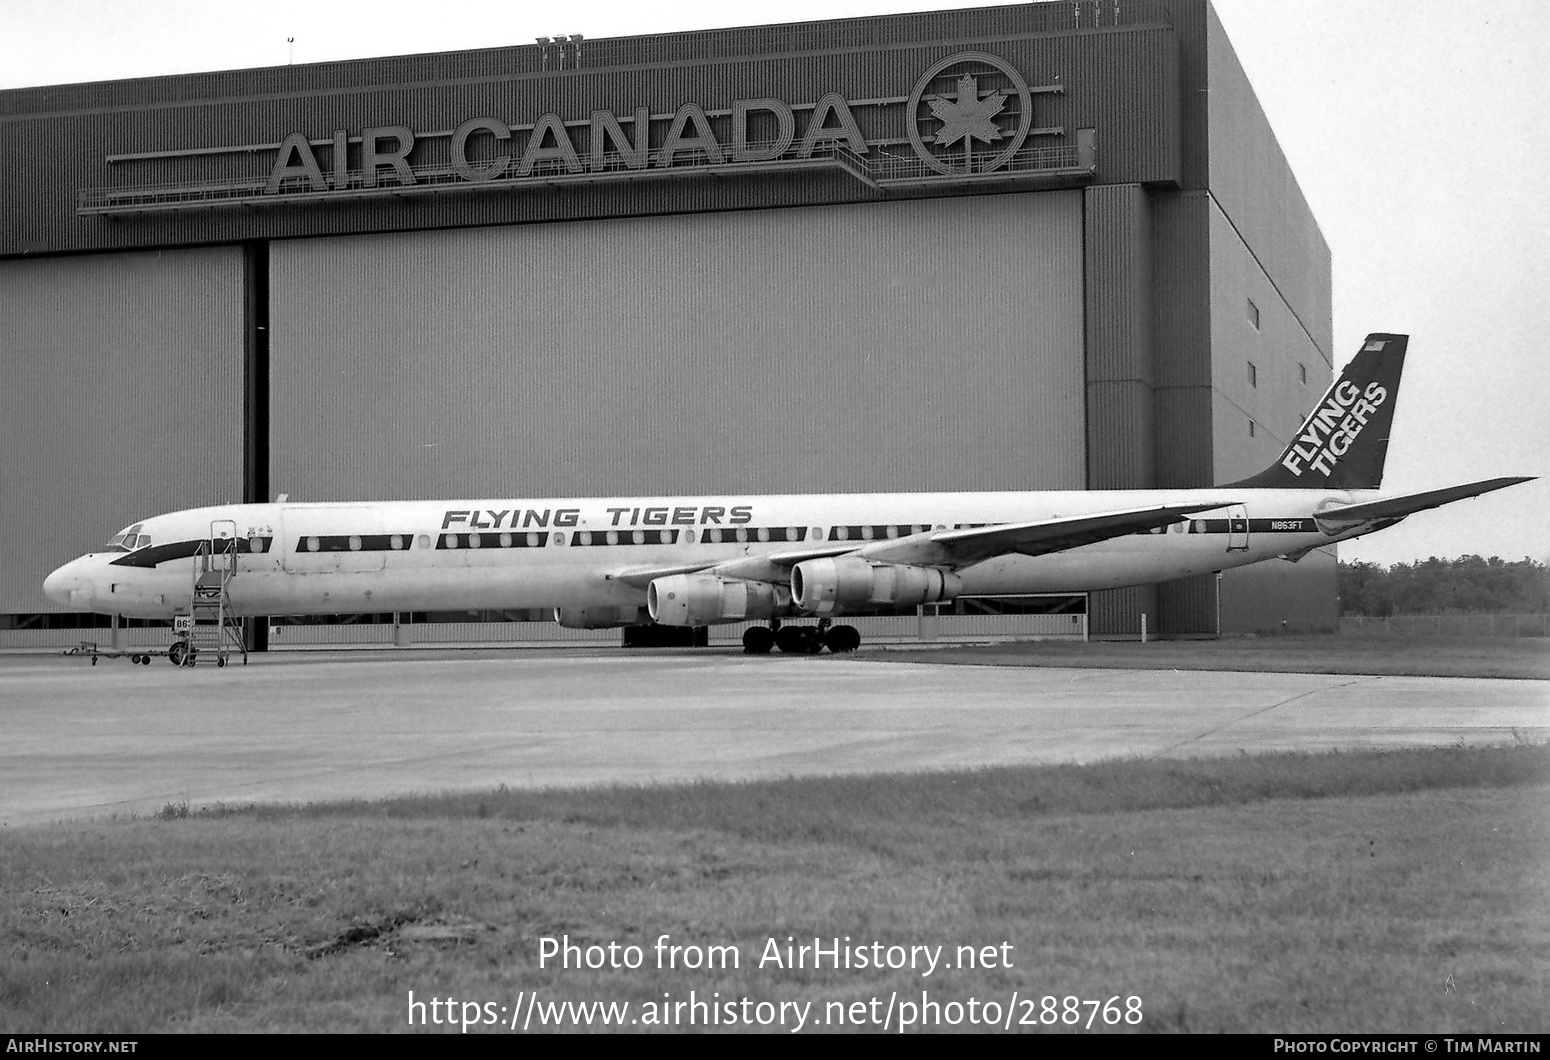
1444 656
1348 892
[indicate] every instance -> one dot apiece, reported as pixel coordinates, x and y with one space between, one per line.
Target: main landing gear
800 640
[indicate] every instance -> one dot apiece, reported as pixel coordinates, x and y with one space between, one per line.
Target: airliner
774 560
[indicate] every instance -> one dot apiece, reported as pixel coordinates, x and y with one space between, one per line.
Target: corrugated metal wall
1121 376
929 345
1185 353
1182 338
1120 373
120 397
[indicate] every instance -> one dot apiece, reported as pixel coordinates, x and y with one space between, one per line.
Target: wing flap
1399 507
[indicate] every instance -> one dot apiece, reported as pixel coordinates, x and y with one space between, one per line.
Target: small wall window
1253 375
1253 314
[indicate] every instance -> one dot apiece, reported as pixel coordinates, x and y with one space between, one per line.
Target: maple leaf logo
970 118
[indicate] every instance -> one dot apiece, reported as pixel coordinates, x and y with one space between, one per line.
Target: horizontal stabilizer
1399 507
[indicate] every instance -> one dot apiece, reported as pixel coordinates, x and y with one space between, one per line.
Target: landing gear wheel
812 640
841 639
175 655
220 660
758 640
792 639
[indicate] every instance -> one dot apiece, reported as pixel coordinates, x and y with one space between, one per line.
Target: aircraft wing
1399 507
966 547
640 577
944 548
767 566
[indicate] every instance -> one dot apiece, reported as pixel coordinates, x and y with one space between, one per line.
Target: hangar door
919 345
120 397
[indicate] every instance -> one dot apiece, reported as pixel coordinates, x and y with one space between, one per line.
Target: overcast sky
1419 129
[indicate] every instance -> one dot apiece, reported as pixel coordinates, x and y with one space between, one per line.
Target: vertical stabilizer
1343 442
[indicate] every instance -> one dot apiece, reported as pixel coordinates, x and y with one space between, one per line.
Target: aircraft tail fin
1343 442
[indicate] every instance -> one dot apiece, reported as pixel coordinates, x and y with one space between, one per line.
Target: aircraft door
1237 528
259 545
223 544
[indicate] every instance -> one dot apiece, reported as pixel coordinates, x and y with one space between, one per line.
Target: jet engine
701 599
598 617
848 583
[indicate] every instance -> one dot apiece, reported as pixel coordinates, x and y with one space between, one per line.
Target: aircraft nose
59 585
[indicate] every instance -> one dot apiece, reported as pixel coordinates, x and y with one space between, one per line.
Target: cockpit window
128 540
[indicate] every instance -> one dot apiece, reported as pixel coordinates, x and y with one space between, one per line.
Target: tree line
1467 585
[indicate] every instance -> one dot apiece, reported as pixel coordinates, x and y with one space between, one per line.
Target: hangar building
1047 246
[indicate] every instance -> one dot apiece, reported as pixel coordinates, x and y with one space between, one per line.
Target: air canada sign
969 114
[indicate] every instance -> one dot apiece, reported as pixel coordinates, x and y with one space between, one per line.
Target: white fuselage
300 559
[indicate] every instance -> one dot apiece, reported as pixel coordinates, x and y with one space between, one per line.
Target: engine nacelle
599 617
846 583
701 599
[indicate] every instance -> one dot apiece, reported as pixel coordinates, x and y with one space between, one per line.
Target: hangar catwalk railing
883 171
594 55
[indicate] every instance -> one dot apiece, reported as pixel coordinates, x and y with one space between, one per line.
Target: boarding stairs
210 630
